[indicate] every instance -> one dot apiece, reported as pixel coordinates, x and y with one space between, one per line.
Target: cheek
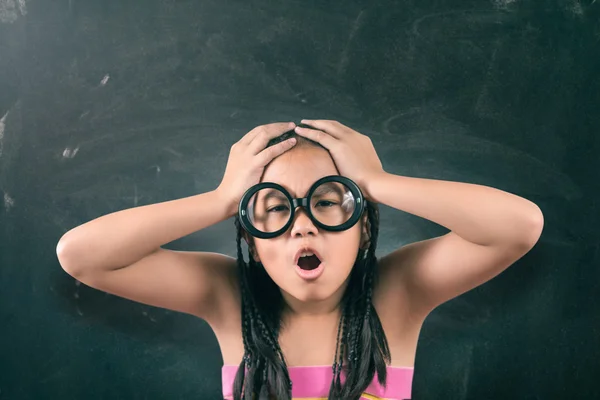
268 251
272 258
342 249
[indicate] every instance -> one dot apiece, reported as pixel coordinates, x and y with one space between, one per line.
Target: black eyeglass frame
359 201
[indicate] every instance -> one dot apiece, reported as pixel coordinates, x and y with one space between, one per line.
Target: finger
323 138
280 127
266 133
334 128
268 154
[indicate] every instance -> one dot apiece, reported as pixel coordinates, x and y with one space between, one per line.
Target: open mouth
309 263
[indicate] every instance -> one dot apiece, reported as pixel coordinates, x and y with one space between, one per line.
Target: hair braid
381 355
340 354
263 360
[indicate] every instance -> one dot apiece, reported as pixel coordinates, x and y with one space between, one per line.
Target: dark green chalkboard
107 104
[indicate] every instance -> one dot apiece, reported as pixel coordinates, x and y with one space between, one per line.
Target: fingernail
291 125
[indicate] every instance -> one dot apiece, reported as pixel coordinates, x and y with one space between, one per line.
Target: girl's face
296 170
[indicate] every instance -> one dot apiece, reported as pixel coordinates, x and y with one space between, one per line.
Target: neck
300 309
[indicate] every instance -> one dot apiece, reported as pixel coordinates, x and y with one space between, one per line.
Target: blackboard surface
106 105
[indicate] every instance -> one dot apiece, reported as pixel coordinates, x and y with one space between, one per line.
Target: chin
305 294
314 294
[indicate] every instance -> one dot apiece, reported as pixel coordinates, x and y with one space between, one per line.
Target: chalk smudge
70 153
2 127
11 10
8 202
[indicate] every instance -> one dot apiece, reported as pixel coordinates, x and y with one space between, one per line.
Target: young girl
313 313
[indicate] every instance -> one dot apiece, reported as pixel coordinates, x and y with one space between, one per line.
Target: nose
302 225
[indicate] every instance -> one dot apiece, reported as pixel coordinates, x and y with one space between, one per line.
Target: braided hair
361 346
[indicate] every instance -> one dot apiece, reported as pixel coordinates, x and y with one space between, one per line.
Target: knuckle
274 150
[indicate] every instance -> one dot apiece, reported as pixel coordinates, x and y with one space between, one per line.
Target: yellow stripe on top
371 397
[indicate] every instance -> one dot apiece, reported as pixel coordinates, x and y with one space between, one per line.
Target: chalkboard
106 105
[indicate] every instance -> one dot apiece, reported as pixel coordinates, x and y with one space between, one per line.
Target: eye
277 208
326 203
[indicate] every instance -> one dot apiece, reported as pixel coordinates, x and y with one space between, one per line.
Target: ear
250 242
365 236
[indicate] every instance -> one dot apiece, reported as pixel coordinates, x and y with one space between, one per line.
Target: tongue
308 263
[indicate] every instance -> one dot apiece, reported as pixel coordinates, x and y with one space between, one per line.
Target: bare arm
120 253
119 239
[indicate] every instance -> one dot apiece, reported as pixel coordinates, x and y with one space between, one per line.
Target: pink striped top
312 383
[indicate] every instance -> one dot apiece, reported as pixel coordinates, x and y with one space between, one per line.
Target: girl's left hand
352 152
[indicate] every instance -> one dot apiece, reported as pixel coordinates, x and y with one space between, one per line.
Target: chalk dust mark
2 127
481 106
104 80
11 10
503 3
145 314
172 151
416 24
464 385
76 296
576 8
301 97
415 28
136 198
157 168
386 124
60 375
358 22
8 202
70 153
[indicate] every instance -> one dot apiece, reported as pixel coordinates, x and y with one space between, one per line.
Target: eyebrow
273 193
329 187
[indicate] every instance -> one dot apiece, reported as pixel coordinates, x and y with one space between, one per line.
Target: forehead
297 169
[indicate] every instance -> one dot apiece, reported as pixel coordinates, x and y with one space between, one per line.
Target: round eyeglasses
333 203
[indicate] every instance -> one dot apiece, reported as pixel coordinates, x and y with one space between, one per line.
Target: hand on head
248 158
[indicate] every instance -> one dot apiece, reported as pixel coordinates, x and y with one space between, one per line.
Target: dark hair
361 346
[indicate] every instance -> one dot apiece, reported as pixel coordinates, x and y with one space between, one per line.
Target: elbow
536 226
66 258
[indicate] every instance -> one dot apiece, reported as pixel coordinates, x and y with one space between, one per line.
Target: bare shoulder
227 293
217 274
393 305
388 289
391 298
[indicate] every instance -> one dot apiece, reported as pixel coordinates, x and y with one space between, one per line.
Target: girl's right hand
248 158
